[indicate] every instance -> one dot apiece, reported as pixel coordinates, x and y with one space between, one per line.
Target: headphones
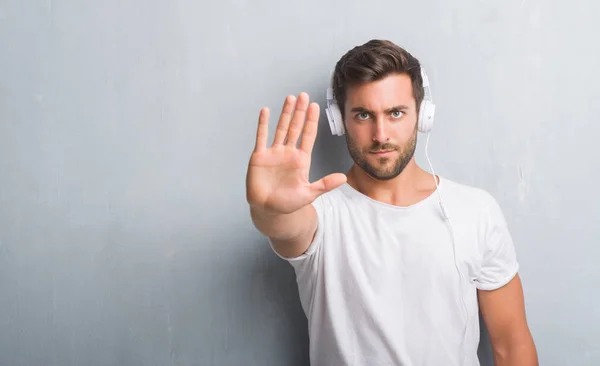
426 109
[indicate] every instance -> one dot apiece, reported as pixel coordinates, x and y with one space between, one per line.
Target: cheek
357 143
405 129
360 136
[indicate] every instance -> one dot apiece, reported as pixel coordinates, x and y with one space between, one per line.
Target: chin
381 173
384 177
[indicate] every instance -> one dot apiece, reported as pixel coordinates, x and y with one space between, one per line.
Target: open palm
277 178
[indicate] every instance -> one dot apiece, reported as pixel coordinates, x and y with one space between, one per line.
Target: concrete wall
126 127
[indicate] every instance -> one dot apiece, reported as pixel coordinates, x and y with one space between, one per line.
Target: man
384 276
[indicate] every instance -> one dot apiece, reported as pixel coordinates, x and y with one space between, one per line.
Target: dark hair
374 61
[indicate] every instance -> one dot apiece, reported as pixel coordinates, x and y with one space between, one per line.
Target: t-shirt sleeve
318 238
499 261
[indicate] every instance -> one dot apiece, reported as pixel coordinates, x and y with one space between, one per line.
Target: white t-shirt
379 284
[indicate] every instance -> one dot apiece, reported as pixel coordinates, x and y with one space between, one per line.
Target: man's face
381 125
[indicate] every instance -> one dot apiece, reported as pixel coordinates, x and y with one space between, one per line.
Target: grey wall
126 126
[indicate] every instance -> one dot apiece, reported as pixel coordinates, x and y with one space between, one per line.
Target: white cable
447 218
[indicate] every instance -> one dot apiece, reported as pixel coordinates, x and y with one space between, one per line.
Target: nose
380 133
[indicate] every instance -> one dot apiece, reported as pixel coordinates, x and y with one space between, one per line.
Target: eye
397 114
362 115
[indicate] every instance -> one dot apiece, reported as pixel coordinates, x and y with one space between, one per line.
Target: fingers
328 183
262 133
291 122
298 120
284 120
309 134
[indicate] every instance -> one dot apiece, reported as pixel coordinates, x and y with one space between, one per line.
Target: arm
503 312
291 234
277 186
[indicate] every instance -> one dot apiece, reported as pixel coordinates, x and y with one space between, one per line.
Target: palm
277 177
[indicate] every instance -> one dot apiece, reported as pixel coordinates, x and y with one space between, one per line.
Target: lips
382 151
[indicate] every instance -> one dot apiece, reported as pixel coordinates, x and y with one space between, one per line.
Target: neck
412 185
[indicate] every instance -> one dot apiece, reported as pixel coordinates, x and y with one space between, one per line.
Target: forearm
516 353
284 226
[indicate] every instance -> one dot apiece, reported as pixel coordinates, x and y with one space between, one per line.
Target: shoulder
334 198
467 196
473 206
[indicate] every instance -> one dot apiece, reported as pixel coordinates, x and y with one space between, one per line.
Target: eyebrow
394 108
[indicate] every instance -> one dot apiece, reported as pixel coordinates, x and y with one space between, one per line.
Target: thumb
328 183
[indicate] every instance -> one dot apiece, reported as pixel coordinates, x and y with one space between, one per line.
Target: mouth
381 152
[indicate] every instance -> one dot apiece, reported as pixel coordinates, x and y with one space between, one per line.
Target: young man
392 262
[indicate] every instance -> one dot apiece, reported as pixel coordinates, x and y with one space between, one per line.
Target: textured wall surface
126 127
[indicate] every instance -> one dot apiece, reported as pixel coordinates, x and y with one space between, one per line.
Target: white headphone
426 109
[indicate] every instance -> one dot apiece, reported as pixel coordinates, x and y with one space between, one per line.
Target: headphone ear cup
338 120
426 114
331 120
334 115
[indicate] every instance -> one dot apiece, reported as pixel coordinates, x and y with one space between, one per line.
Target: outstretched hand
277 178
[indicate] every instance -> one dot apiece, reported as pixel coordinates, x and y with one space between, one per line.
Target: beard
384 169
